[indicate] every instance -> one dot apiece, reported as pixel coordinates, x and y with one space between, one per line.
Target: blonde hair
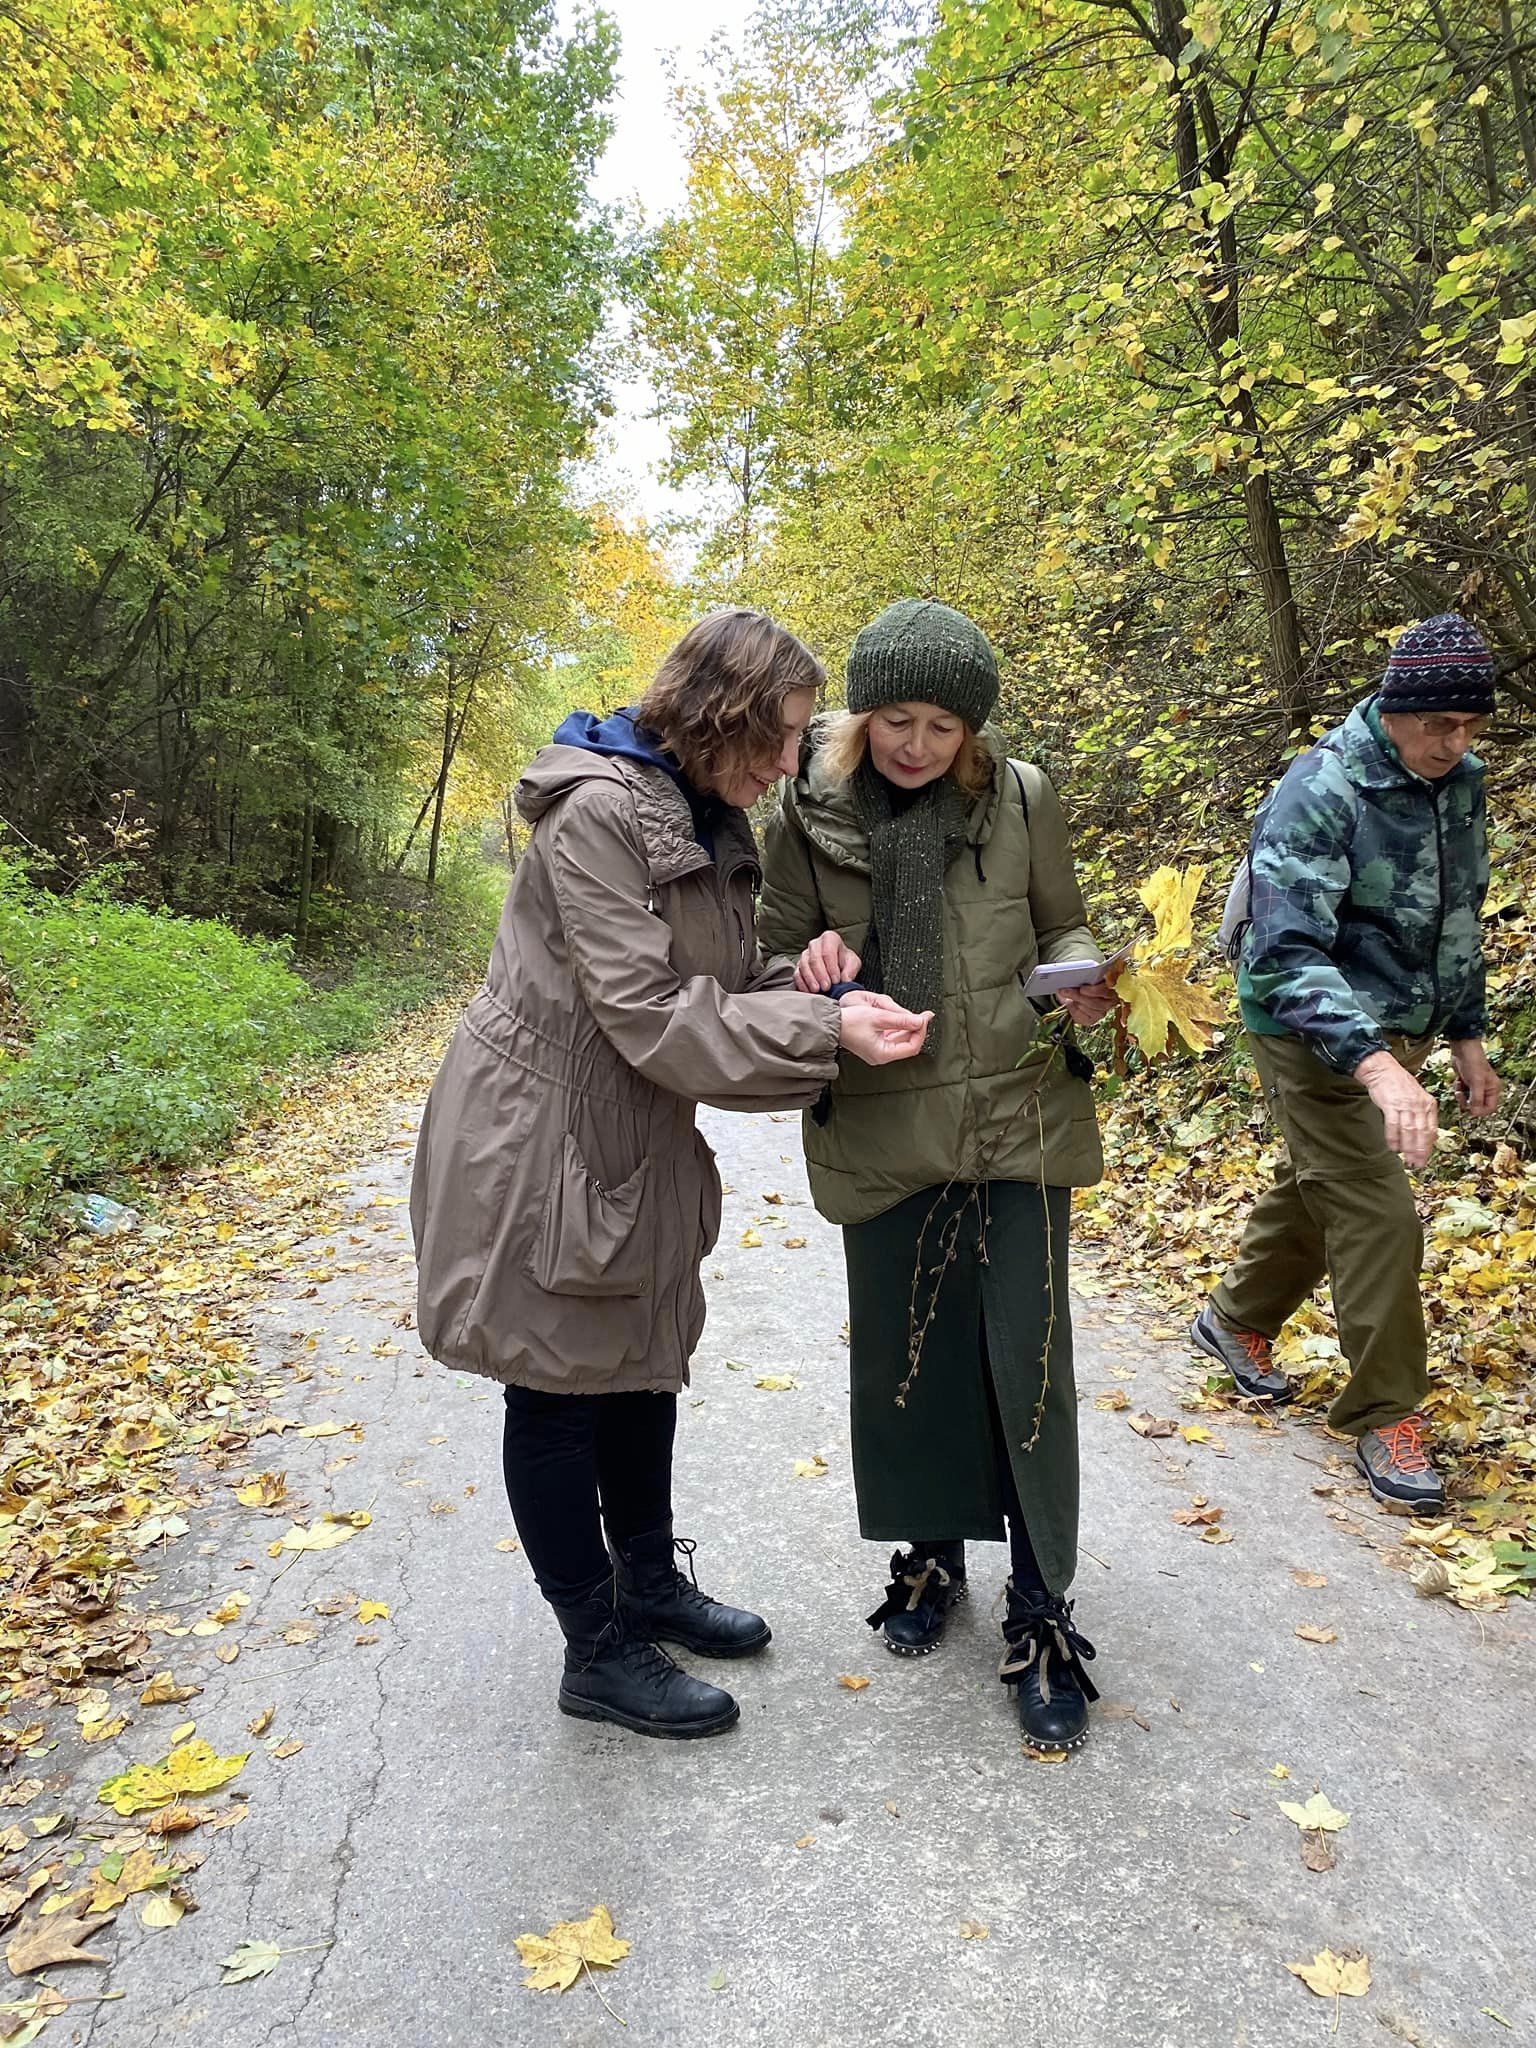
718 699
847 742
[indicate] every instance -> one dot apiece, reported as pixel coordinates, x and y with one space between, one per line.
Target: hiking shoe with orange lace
1396 1469
1245 1354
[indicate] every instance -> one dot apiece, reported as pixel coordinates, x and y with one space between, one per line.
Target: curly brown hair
718 699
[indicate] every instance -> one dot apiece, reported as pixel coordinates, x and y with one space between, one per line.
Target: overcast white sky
644 163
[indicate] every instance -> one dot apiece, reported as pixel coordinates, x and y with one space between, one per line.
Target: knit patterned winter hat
1441 665
919 651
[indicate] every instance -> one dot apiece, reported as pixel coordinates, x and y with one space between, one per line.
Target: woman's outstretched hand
877 1030
825 960
1090 1004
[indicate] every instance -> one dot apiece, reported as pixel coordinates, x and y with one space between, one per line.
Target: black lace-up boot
613 1673
667 1606
1044 1658
926 1582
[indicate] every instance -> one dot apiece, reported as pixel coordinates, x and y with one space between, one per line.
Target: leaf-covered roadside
120 1358
1188 1149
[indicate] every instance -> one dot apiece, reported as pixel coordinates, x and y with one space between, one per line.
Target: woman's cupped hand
877 1030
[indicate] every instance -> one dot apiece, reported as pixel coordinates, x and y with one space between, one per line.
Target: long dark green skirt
929 1439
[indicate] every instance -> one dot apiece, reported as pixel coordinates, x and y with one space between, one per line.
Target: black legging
569 1459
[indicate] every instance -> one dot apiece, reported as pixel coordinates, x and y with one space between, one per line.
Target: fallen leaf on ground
1304 1578
1114 1400
794 1244
1044 1756
1312 1632
750 1239
806 1842
327 1429
284 1750
443 1507
1279 1770
509 1543
372 1610
44 1941
321 1535
174 1820
1146 1424
554 1961
250 1959
777 1382
297 1633
192 1768
814 1467
1317 1851
1215 1535
775 1198
1335 1976
1318 1812
262 1722
1118 1710
1200 1515
266 1490
851 1683
974 1930
163 1691
1196 1433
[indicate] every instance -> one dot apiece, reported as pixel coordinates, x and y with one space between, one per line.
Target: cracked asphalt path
804 1878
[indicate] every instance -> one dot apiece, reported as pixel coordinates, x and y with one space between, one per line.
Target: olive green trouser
1342 1205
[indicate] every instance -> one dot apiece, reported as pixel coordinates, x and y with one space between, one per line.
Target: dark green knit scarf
911 844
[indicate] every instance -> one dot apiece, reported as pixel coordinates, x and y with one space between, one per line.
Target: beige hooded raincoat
563 1199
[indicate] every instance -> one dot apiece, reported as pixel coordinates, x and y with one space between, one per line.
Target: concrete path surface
807 1879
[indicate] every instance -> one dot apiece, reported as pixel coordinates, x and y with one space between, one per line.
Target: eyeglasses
1444 725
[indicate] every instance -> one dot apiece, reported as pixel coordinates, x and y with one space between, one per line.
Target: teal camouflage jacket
1367 896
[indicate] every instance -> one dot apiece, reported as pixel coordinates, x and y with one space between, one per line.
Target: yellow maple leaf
1318 1812
1159 994
1170 896
193 1767
555 1960
1331 1976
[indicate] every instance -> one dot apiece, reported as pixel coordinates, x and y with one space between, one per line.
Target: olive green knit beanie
920 651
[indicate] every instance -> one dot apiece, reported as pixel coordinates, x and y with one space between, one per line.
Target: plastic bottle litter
101 1216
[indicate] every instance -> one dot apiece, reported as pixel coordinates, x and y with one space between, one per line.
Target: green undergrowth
133 1039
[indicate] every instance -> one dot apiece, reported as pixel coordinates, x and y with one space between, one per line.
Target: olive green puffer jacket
969 1110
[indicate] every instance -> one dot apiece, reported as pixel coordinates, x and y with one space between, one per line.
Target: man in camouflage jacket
1368 868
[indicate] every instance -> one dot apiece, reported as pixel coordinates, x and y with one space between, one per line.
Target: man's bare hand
1477 1085
1408 1110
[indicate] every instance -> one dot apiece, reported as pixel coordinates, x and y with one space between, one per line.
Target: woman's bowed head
730 704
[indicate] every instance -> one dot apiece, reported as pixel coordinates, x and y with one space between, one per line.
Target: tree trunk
442 790
306 877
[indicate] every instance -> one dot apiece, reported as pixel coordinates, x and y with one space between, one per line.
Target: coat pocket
592 1239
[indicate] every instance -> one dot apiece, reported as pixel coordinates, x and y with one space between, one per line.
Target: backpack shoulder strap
1018 776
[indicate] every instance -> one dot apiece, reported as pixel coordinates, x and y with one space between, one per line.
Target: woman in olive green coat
910 855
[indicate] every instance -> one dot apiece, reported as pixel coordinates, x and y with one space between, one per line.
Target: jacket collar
1371 761
825 808
666 827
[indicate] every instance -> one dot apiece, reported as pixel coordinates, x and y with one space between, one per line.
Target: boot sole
1201 1342
588 1710
699 1649
1051 1748
1395 1506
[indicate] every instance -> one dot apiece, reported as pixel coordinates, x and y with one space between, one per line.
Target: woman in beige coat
563 1200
